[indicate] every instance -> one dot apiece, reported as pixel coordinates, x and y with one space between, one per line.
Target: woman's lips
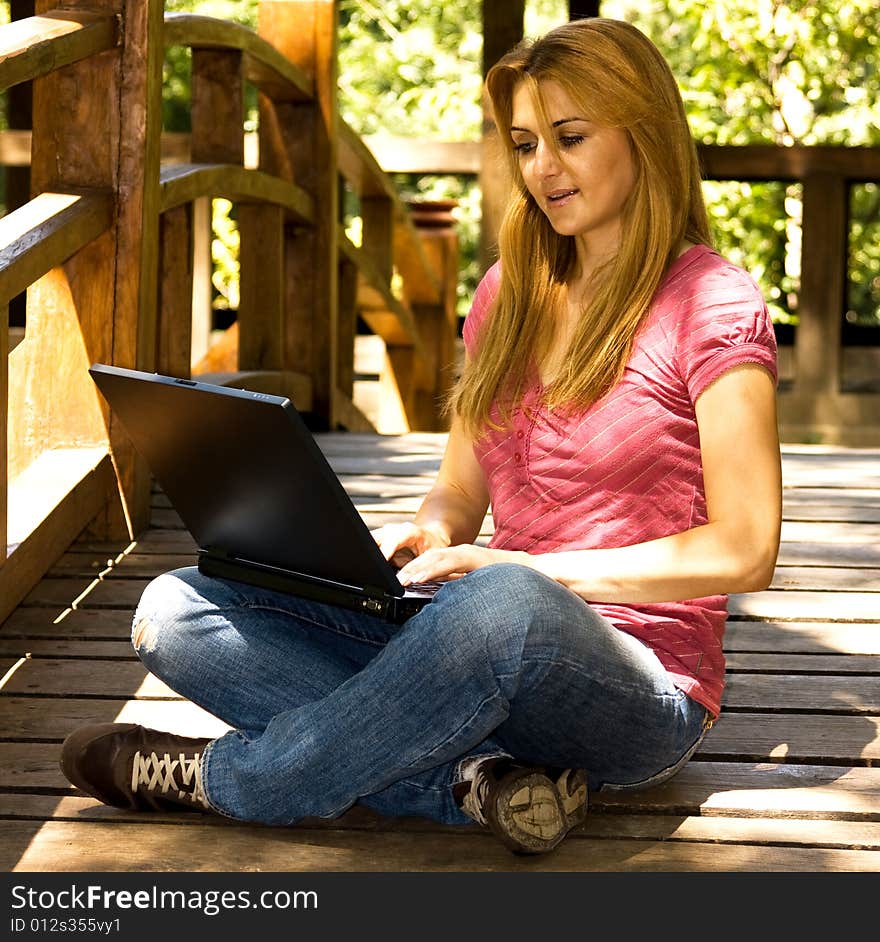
560 197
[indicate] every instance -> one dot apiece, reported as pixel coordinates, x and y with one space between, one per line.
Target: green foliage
411 67
777 72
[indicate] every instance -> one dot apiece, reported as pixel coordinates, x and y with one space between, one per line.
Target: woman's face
583 190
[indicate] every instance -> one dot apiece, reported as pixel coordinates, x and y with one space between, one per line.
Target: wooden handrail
38 45
110 247
361 169
183 183
45 232
264 66
386 315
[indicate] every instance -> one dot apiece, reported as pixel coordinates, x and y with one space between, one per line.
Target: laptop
255 491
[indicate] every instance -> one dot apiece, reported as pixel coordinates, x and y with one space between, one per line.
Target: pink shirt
628 469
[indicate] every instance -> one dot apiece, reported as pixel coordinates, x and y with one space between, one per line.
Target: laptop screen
246 476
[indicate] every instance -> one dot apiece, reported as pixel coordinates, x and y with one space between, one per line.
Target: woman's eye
571 140
525 147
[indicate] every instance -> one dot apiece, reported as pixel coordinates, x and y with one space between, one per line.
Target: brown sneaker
529 809
130 766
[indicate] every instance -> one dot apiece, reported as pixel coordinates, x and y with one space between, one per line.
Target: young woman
617 410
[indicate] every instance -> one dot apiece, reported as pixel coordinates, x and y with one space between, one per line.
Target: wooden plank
711 789
80 593
42 719
132 566
828 578
183 183
852 555
45 232
56 846
40 648
58 504
833 534
36 45
802 693
802 637
794 737
811 606
768 790
50 677
98 624
803 664
755 832
829 466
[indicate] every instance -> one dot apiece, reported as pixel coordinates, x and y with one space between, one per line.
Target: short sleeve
485 294
726 324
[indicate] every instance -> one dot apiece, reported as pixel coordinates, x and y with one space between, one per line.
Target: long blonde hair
619 79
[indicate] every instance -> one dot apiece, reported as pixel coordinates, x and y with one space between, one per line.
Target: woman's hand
401 542
452 562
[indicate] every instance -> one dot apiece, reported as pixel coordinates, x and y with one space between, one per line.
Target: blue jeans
330 707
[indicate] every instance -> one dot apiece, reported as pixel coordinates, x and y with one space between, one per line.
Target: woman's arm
734 552
452 511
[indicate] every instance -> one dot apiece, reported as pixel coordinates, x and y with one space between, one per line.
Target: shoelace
156 772
473 801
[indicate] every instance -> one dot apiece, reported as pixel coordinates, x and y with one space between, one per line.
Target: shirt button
518 457
519 434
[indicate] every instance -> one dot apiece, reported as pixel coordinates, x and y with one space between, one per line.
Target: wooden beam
38 45
502 30
183 183
45 232
306 33
58 495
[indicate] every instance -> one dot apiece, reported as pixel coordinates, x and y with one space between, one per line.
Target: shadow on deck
788 780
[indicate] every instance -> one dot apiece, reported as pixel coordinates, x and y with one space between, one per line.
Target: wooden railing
814 405
107 250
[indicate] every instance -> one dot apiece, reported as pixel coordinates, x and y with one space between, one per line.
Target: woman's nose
546 161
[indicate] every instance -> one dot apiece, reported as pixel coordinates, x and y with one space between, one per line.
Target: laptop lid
247 477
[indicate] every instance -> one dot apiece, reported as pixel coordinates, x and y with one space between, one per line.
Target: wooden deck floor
788 780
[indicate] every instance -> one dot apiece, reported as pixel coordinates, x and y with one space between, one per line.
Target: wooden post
261 305
348 278
217 122
174 329
19 102
438 324
4 397
502 30
97 126
823 283
305 31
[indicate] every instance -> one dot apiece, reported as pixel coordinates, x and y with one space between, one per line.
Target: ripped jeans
330 707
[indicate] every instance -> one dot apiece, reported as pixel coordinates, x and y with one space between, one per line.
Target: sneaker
130 766
529 809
